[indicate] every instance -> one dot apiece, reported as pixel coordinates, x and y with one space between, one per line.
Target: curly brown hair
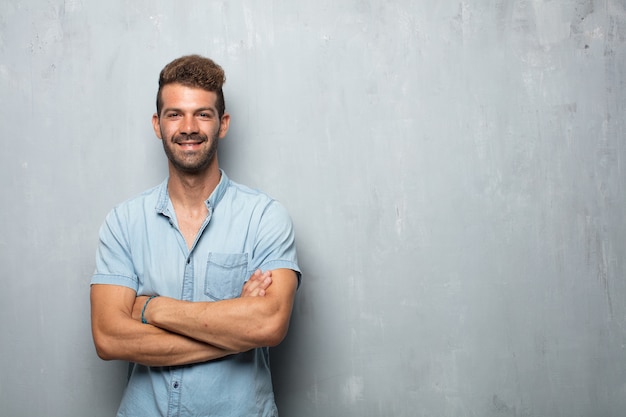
194 71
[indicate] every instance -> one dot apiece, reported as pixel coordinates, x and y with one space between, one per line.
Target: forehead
183 97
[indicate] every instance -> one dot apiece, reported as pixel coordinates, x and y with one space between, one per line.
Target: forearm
149 345
238 324
119 335
235 325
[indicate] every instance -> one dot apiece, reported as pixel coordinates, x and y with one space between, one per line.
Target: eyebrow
198 110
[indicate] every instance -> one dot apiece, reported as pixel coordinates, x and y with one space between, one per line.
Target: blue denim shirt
142 248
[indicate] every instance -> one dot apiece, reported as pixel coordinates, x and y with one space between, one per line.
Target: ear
156 126
224 124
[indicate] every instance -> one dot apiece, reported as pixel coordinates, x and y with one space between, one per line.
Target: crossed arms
183 332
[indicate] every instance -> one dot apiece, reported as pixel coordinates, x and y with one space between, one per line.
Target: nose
189 125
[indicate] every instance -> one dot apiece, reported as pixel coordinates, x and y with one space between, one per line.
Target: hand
257 284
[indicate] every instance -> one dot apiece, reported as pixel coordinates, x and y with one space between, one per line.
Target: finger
250 287
260 289
253 281
255 276
257 284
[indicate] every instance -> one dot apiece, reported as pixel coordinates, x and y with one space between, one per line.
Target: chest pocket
225 275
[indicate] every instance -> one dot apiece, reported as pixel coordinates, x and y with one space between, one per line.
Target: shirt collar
220 190
163 201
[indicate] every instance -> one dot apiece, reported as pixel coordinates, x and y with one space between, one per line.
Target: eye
172 114
204 115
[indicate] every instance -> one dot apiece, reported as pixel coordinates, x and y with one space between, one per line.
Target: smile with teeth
189 144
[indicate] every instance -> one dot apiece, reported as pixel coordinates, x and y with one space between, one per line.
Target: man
178 288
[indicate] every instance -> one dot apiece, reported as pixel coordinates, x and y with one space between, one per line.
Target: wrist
145 306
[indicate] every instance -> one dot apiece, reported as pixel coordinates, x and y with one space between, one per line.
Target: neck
190 191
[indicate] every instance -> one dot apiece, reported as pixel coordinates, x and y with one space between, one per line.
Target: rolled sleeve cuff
280 264
121 280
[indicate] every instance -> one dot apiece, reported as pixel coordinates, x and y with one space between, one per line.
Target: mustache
193 137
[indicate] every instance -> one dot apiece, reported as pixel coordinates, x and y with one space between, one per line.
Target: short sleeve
275 245
113 259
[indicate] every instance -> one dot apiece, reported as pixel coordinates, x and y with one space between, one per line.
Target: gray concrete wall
455 171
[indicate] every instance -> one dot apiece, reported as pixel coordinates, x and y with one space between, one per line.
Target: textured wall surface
455 171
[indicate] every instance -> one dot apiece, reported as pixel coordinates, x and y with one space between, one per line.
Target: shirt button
176 385
188 261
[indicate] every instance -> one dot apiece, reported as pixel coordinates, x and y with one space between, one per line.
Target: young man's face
190 127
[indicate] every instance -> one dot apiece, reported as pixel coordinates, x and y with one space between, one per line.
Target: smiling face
190 128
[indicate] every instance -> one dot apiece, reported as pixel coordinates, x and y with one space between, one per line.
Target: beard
190 162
